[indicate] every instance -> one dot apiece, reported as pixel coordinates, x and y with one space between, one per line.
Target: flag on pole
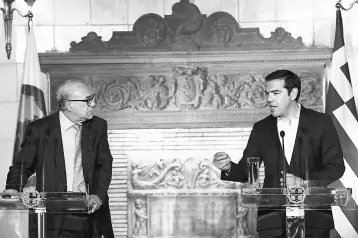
32 100
341 106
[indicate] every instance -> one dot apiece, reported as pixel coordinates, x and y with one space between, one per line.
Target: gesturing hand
8 193
94 203
222 161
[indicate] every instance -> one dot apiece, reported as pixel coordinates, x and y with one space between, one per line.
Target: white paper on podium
14 223
294 212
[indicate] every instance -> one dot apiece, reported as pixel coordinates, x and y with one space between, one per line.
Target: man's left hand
292 181
94 203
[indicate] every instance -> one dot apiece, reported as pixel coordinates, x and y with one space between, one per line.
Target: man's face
277 97
80 110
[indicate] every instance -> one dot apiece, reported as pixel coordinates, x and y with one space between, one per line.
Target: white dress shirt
289 126
68 141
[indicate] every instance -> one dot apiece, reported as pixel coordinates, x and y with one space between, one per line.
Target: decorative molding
217 97
190 174
187 29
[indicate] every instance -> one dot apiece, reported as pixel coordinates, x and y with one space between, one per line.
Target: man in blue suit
312 152
70 147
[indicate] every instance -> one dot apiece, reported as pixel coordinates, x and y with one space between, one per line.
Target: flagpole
339 5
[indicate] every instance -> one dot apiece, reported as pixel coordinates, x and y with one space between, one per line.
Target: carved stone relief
189 174
140 228
188 193
189 88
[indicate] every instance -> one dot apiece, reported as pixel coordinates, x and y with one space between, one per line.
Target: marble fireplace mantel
186 69
186 89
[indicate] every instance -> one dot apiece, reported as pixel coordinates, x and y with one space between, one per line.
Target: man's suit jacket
42 150
317 140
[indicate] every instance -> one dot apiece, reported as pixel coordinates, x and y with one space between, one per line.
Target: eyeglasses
91 99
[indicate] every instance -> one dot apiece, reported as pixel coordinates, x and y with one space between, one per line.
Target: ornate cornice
312 55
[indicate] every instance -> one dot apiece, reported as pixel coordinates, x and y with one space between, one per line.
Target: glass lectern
16 209
294 202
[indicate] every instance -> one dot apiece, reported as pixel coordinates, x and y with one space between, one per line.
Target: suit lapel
56 137
303 122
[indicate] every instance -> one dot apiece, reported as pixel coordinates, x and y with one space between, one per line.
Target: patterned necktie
78 184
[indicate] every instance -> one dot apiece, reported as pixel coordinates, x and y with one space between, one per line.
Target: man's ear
293 94
68 106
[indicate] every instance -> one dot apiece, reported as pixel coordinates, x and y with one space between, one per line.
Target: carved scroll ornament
187 29
189 89
164 174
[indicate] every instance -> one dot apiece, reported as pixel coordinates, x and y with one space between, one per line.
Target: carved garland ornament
190 89
189 174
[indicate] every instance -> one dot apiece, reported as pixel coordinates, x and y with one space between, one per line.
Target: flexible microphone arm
305 152
43 162
284 184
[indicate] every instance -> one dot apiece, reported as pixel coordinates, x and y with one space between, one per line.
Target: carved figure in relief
175 178
242 221
138 181
226 91
281 36
155 95
310 89
210 95
157 169
187 87
248 91
140 213
208 176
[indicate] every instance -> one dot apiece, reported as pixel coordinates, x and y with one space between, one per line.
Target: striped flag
32 100
341 106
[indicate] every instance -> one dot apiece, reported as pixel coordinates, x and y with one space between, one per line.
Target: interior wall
57 23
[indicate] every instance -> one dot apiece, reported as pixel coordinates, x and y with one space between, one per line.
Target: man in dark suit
70 148
312 153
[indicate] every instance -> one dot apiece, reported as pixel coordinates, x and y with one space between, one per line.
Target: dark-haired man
301 126
72 147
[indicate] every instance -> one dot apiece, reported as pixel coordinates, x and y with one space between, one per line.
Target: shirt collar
65 122
296 117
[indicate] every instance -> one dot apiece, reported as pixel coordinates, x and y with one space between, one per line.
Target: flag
32 100
341 106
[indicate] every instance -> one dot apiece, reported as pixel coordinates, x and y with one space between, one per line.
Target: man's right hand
222 161
10 192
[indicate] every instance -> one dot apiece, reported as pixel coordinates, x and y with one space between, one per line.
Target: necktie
78 184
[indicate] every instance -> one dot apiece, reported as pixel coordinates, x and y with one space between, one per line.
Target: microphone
47 134
284 184
55 141
305 152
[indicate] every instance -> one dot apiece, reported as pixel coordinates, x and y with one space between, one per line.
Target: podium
294 202
42 204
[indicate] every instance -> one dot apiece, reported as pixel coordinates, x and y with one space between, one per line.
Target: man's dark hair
291 80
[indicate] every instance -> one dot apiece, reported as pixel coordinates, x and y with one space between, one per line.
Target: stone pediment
187 29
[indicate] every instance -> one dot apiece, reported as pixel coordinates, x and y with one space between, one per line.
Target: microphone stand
41 211
284 184
305 153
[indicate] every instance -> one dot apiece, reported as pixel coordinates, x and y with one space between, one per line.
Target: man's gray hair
64 91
